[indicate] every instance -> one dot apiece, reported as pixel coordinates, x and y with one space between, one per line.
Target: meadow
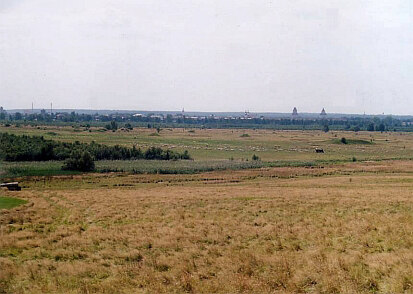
344 228
241 144
293 222
215 149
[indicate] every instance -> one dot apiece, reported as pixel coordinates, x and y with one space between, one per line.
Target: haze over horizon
217 56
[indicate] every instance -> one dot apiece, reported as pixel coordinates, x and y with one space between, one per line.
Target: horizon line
199 111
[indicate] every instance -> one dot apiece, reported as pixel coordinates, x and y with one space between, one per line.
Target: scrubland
344 228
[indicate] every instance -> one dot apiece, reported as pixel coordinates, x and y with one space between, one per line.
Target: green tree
381 127
370 127
113 125
79 161
18 116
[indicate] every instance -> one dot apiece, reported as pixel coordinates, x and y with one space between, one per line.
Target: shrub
80 162
343 140
255 157
112 126
186 155
25 148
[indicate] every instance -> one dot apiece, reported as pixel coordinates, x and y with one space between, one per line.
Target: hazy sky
208 55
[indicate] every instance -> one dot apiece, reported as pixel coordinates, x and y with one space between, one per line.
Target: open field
216 144
334 229
219 149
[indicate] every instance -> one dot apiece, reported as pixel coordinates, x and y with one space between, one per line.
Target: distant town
294 120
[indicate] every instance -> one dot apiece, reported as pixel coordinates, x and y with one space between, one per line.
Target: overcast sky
350 56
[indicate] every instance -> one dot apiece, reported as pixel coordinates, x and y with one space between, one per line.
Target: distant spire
295 111
323 112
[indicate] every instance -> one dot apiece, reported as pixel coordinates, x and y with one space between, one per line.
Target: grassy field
220 149
11 170
293 222
205 144
327 229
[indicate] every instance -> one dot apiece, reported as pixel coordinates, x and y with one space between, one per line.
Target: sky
348 56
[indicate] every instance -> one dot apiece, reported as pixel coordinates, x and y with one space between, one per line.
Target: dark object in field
319 150
14 186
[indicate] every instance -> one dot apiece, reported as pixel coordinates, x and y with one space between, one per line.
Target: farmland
294 221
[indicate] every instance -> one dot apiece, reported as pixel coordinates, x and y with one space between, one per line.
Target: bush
80 162
25 148
344 140
255 157
112 126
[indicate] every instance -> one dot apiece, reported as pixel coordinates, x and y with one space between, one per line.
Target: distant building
295 112
246 114
323 112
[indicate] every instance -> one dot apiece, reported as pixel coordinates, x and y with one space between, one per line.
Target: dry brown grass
341 229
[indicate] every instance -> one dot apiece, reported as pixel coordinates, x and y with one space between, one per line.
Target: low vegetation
10 202
10 170
265 214
37 148
352 141
80 162
333 229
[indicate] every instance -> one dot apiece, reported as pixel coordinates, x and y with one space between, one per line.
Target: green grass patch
10 170
352 142
9 202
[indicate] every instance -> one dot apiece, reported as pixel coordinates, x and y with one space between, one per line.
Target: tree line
37 148
128 121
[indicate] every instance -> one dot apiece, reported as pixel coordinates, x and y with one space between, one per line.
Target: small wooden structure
14 186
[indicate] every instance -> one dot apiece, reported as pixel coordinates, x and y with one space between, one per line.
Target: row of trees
115 121
36 148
